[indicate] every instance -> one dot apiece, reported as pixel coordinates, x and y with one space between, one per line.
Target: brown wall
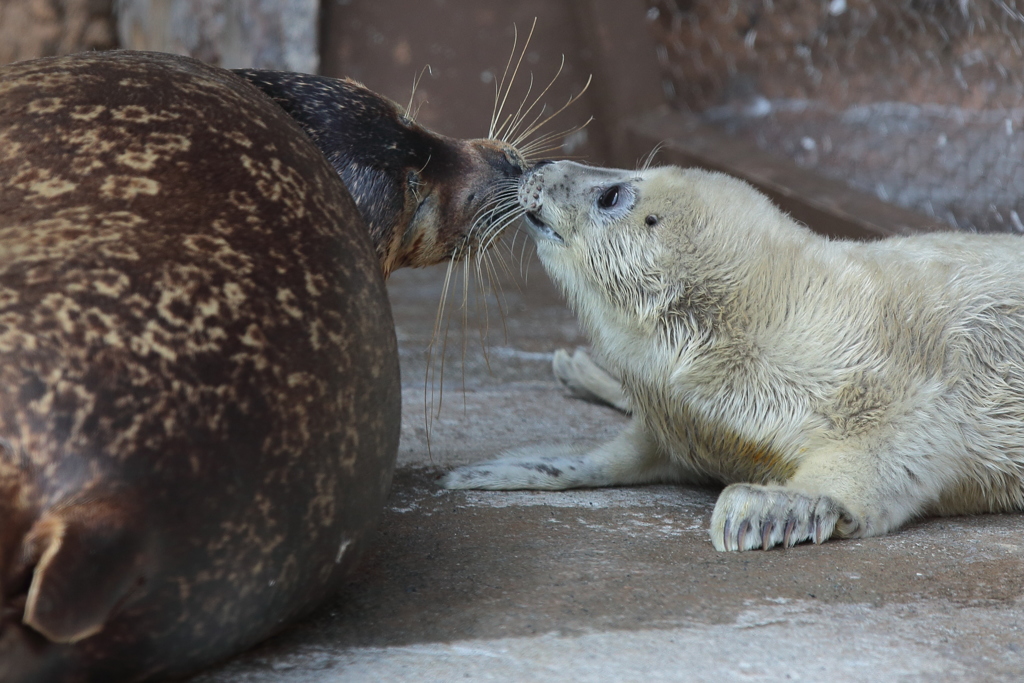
39 28
467 44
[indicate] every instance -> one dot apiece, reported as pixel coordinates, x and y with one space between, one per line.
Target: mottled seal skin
426 198
199 391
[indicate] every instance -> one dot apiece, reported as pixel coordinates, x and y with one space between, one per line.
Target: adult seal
199 392
836 388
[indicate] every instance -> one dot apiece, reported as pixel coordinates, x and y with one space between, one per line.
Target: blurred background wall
38 28
918 103
266 34
457 49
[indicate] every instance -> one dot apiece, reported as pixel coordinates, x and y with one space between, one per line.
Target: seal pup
199 388
836 388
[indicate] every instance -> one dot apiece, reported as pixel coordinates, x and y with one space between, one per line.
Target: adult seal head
199 392
837 388
426 198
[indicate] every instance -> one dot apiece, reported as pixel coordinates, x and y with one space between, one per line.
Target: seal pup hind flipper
837 389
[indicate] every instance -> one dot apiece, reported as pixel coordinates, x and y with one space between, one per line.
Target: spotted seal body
199 390
837 388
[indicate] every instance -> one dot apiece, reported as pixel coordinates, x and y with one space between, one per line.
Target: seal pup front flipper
632 457
80 562
586 379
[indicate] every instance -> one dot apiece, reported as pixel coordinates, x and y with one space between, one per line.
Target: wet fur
837 388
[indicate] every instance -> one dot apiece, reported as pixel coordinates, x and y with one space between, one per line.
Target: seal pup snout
531 193
570 196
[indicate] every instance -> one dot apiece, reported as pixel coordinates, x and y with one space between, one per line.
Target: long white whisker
537 100
513 119
412 96
504 98
499 85
428 383
533 146
532 129
649 158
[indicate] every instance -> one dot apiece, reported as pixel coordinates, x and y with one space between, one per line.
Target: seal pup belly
199 389
836 388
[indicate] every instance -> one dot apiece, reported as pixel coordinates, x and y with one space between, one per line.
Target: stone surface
43 28
621 584
234 34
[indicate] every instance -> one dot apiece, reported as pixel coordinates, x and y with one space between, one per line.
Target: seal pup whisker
645 164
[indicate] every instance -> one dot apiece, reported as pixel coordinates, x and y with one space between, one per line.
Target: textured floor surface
620 584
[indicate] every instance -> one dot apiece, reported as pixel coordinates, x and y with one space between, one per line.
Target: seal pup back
836 388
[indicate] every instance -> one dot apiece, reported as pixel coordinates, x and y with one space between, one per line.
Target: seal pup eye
609 199
651 221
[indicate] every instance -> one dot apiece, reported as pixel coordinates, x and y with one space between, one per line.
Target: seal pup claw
836 388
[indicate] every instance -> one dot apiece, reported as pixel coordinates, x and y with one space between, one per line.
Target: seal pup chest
728 440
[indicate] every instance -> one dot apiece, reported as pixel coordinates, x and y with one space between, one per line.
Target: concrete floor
620 584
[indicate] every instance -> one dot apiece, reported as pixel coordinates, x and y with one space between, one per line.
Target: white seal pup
836 388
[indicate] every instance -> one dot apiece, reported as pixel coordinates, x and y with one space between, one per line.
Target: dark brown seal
199 394
426 197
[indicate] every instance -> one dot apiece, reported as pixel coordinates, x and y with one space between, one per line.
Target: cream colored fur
836 388
586 379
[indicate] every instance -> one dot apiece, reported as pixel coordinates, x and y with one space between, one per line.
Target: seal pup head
426 198
649 249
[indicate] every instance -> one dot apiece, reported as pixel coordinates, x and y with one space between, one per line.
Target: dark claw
744 529
790 525
725 533
766 534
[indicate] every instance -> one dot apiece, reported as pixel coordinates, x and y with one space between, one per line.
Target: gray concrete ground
620 584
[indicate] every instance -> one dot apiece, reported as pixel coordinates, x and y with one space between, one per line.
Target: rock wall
266 34
39 28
